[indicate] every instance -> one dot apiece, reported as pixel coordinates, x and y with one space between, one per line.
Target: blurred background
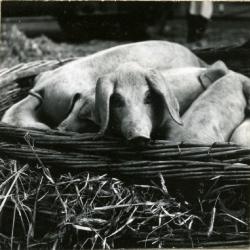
33 30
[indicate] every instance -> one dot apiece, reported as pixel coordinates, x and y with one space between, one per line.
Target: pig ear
87 110
213 73
158 84
104 90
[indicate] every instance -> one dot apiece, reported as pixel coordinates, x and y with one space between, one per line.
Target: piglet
215 113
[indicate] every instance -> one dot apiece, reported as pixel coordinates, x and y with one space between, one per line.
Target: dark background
33 30
77 21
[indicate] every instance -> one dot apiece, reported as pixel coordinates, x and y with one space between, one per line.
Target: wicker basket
73 150
170 161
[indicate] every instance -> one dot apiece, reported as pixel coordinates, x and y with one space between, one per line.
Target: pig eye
117 101
148 98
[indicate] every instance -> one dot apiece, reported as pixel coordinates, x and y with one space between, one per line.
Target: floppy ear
104 90
213 73
158 84
81 107
87 110
73 102
80 115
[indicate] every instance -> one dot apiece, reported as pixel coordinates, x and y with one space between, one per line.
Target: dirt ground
16 47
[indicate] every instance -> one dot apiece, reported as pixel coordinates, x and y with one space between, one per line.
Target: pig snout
136 131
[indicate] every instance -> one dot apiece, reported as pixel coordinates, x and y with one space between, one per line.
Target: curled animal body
215 114
72 86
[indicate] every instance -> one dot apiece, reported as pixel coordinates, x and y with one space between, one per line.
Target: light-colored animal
241 134
215 113
139 102
58 90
